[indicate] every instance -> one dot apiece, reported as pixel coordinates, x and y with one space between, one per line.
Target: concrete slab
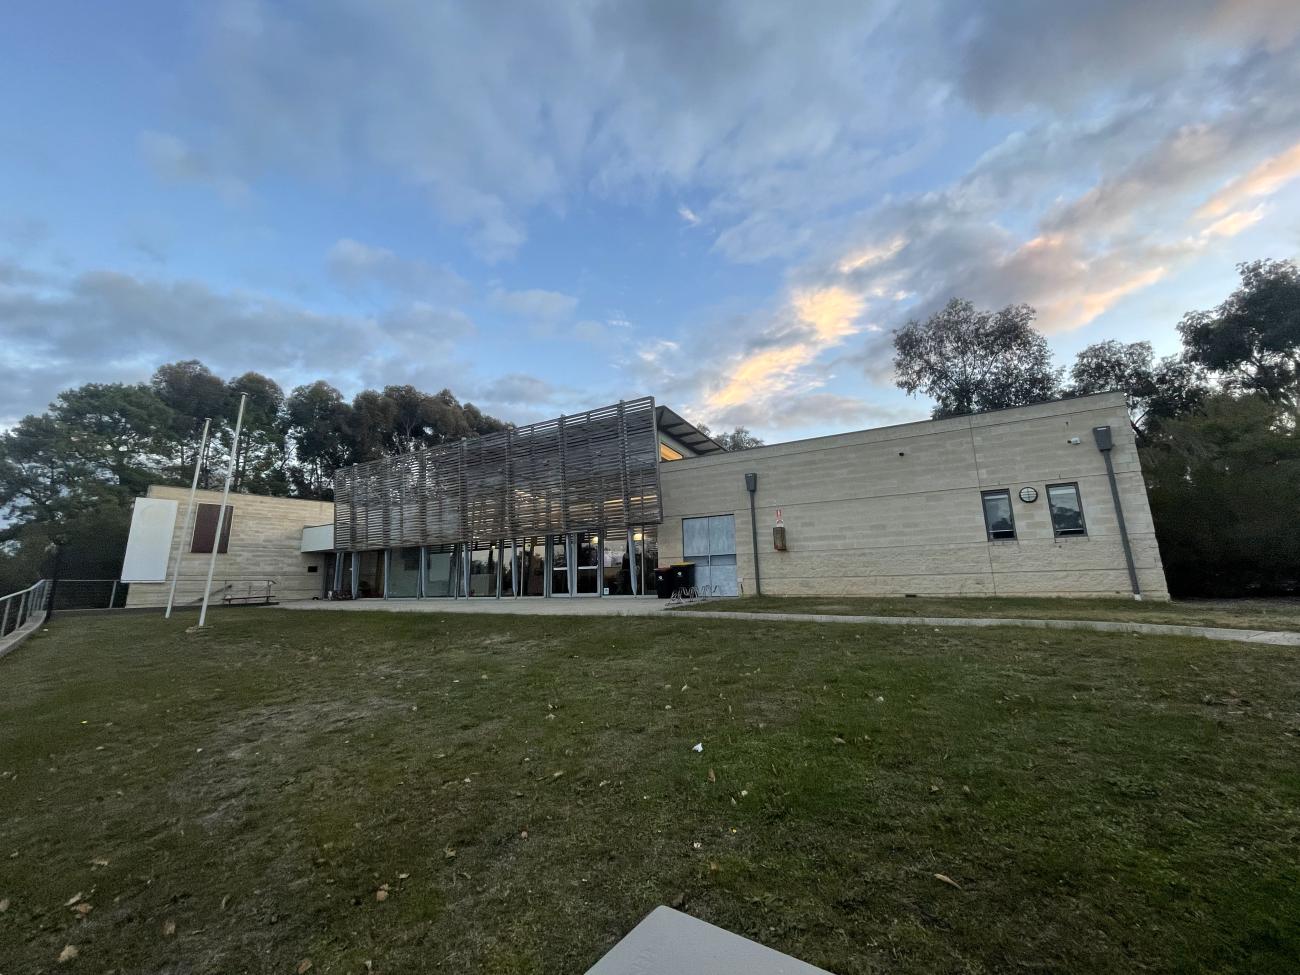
527 606
669 942
649 606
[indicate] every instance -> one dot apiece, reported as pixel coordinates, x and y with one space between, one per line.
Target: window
711 544
667 453
1066 508
998 520
205 528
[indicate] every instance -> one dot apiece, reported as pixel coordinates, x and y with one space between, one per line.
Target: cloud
688 215
106 325
1264 180
777 358
355 266
176 161
1234 223
535 304
1007 55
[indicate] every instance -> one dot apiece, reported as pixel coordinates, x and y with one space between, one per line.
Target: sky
548 207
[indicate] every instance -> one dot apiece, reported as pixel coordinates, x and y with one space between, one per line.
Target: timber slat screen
596 470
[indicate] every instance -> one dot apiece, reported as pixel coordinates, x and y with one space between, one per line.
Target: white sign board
668 942
149 544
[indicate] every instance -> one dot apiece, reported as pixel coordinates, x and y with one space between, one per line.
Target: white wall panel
153 521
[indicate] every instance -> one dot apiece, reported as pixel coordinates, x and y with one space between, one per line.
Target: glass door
532 566
440 570
558 546
587 563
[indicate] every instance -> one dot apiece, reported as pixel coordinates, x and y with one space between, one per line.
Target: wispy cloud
1263 180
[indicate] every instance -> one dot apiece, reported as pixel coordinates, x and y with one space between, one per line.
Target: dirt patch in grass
497 794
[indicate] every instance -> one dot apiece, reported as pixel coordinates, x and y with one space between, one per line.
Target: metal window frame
1078 496
1011 509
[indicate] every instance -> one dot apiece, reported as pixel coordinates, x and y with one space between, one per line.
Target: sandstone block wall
897 510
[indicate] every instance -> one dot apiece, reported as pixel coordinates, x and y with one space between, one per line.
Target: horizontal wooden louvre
593 470
205 528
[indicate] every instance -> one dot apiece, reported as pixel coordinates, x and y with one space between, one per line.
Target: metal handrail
30 601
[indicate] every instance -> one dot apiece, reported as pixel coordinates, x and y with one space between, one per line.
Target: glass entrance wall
646 540
576 563
586 549
440 575
557 547
483 565
370 574
404 573
531 557
616 568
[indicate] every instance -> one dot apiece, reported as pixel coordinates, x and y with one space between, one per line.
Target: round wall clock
1028 494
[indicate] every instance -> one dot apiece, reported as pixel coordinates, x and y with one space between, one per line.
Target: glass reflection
440 570
404 573
483 569
370 575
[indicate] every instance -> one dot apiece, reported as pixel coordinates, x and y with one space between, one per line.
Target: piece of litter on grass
947 880
169 928
698 845
403 876
73 899
699 747
304 966
68 953
840 741
712 777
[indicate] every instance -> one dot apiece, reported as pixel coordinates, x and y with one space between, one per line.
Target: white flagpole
189 515
221 514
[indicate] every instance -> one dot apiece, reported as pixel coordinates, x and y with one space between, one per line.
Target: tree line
1216 424
70 474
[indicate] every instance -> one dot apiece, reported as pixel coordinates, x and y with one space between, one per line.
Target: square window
1066 508
999 522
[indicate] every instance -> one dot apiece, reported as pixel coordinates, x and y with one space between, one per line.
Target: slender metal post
189 515
54 583
112 596
4 627
221 514
1102 436
751 485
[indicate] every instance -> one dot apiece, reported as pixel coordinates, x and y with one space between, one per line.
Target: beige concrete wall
265 535
897 510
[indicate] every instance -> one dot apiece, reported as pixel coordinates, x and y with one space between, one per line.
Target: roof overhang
686 434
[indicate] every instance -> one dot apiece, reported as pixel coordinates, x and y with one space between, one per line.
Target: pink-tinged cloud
1234 223
1264 180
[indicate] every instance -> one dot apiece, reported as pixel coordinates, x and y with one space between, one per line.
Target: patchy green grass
523 791
1249 614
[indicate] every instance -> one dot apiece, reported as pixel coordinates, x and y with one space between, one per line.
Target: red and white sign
780 522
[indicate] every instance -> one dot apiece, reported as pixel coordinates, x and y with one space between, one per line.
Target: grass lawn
513 794
1250 614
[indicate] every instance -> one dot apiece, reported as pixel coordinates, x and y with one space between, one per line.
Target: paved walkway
529 606
648 606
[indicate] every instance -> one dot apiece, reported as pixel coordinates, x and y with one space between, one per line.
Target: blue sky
548 206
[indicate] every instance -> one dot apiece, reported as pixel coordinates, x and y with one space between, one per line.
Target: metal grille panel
597 470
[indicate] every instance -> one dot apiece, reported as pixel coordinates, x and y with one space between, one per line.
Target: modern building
1038 500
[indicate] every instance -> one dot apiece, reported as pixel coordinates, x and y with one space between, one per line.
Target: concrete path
528 606
648 606
11 642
